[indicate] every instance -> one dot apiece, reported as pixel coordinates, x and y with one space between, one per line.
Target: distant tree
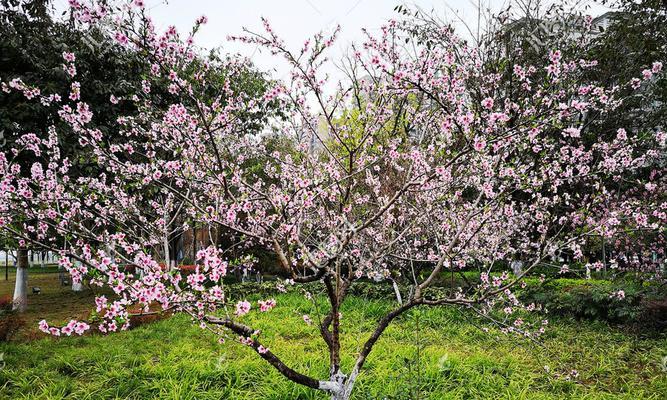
628 45
635 38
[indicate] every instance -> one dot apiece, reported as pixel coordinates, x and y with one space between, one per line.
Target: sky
297 20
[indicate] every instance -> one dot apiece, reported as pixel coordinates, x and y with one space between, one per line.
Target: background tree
621 43
636 37
32 52
106 75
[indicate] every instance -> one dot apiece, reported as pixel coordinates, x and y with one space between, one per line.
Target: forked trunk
341 385
344 393
339 396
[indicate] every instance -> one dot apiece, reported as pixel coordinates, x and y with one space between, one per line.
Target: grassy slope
173 359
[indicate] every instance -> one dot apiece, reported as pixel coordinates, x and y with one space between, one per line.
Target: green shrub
579 298
590 299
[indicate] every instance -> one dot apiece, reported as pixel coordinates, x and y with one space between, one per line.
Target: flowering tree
418 166
621 50
33 52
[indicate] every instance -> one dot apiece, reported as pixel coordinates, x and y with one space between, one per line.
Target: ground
55 301
428 354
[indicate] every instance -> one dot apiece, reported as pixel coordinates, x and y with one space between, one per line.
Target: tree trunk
397 292
174 247
340 386
165 248
111 252
339 396
78 286
21 287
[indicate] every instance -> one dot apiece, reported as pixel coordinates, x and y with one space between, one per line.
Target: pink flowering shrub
419 166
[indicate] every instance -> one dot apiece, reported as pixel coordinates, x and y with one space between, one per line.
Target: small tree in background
420 165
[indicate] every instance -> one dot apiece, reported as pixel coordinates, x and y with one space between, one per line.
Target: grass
426 354
55 302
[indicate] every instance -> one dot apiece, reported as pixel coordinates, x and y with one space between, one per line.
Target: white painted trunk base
21 290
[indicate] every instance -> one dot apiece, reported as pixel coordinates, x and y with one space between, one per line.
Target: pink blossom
487 103
121 38
479 144
81 327
656 67
619 295
266 305
242 308
621 134
572 132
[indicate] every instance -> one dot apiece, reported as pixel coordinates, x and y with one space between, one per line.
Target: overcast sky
296 20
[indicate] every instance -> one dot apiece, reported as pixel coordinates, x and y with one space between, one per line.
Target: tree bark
20 302
267 355
165 245
174 247
338 390
397 292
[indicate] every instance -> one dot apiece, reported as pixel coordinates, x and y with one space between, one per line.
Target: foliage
587 299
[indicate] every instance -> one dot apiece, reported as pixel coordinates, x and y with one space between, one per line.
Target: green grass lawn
427 354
